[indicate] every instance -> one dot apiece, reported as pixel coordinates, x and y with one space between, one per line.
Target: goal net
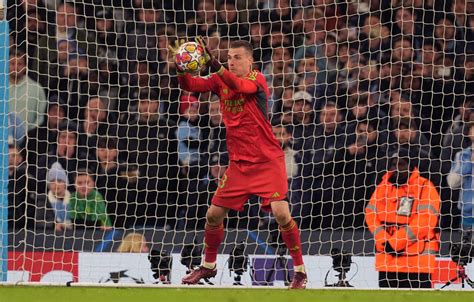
111 166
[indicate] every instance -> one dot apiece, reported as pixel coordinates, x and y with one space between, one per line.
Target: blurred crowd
101 135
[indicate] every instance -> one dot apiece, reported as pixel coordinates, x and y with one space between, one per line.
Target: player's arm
195 84
236 84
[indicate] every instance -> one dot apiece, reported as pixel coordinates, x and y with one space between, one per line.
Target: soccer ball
190 57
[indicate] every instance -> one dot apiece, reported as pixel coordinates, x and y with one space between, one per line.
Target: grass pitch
91 294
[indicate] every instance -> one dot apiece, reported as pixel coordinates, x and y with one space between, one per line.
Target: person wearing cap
303 118
403 215
58 196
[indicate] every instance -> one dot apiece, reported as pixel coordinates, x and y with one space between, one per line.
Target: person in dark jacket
150 143
322 163
118 183
41 140
364 161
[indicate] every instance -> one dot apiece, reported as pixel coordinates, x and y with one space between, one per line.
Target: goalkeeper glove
174 50
211 61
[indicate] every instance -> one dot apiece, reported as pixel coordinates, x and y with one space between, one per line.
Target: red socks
213 236
291 236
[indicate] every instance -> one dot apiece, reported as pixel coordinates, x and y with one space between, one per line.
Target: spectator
303 119
41 48
293 162
283 12
119 184
407 26
67 27
376 35
42 140
460 176
72 84
456 137
141 33
430 53
213 131
133 243
445 35
59 197
66 153
360 107
312 44
18 197
149 141
307 70
279 70
102 37
406 134
205 20
283 135
464 24
259 40
229 23
138 77
327 61
403 50
197 201
16 128
189 135
402 215
365 157
94 124
87 207
27 98
322 158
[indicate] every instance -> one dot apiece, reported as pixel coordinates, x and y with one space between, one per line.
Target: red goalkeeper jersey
244 107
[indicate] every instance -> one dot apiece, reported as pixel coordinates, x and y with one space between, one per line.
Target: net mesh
107 153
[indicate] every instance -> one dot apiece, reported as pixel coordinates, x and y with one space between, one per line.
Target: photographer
403 215
461 177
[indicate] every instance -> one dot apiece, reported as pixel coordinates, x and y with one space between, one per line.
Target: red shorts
242 179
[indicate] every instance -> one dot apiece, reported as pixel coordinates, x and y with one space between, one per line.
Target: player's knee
213 218
282 216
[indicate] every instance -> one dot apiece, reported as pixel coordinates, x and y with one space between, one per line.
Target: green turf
82 294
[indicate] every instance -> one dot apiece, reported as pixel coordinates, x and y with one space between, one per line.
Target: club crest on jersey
225 91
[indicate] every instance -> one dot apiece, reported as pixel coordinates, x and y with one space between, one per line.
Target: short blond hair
132 243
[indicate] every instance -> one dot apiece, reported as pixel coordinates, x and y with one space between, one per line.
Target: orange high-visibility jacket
411 233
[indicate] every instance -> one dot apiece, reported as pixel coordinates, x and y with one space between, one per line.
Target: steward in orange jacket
403 216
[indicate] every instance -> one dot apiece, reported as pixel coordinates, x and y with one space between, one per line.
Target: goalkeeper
257 163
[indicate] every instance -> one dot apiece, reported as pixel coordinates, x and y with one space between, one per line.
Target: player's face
239 61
